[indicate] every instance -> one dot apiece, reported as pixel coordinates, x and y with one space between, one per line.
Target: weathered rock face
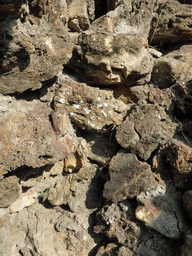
95 128
145 129
114 50
172 22
33 51
27 140
128 177
174 67
88 107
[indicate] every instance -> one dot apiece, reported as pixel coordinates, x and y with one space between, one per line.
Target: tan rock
179 157
9 191
25 200
78 10
174 67
171 22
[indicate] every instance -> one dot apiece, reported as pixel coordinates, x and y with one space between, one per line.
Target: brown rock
33 48
179 156
186 248
128 177
5 237
27 137
187 198
146 127
171 22
9 191
174 67
88 107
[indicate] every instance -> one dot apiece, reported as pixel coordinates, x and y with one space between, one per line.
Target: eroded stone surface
146 128
128 177
88 107
27 137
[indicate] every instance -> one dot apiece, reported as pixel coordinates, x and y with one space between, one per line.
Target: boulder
162 210
174 67
179 156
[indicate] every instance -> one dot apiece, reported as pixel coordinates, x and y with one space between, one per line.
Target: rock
9 191
33 52
68 232
27 137
179 157
25 200
81 191
171 23
108 250
130 94
162 211
187 199
174 67
115 49
5 237
100 148
162 97
88 107
119 59
128 177
146 127
117 222
78 10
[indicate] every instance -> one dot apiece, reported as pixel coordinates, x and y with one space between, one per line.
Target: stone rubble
95 128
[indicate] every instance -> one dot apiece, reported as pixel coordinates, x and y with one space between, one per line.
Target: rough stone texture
100 148
9 191
62 176
179 156
171 22
27 137
162 210
146 128
128 177
115 50
187 199
78 10
53 223
33 52
88 107
117 221
81 191
174 67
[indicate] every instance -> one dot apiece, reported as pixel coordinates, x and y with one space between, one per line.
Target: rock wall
95 128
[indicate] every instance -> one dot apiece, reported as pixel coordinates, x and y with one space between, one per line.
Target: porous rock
88 107
128 177
146 127
171 22
28 140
